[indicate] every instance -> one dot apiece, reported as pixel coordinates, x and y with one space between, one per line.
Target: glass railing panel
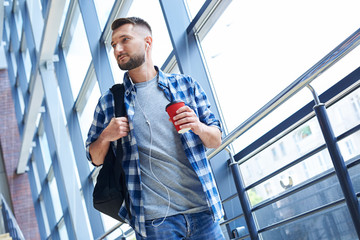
334 223
354 173
292 146
345 114
349 146
292 177
315 196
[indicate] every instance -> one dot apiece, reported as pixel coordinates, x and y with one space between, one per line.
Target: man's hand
186 118
117 128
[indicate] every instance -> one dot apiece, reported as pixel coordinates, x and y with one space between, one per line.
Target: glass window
193 7
61 105
86 215
13 62
21 99
18 20
78 56
74 166
86 115
34 8
355 101
258 48
55 195
62 230
103 9
45 151
27 63
118 74
36 175
44 215
7 28
64 17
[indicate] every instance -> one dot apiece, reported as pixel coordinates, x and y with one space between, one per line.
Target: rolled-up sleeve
102 114
203 107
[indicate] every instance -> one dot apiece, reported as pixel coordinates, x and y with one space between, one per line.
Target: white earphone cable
150 150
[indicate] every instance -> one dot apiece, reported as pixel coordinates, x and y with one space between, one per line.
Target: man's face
128 45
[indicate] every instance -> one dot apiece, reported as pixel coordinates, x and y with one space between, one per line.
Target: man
172 191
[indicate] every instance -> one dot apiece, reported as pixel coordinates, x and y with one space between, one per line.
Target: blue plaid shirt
175 87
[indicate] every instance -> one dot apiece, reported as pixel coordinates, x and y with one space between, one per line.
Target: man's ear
148 41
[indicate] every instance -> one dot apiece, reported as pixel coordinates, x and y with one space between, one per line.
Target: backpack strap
118 91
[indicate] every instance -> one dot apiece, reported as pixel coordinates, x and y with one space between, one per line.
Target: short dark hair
136 21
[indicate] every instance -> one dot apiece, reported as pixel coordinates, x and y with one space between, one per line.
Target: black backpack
110 190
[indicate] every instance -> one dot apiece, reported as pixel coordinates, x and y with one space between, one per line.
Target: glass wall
77 52
258 48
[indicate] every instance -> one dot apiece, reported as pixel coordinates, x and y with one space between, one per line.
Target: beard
133 62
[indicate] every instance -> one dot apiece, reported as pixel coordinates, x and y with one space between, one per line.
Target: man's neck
142 74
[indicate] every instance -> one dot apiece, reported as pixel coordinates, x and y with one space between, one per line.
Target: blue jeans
194 226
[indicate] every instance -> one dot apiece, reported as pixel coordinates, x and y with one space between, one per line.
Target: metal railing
9 220
350 197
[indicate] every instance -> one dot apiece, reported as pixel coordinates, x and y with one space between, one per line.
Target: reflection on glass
103 9
258 48
78 56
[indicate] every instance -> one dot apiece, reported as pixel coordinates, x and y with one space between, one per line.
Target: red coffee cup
171 109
